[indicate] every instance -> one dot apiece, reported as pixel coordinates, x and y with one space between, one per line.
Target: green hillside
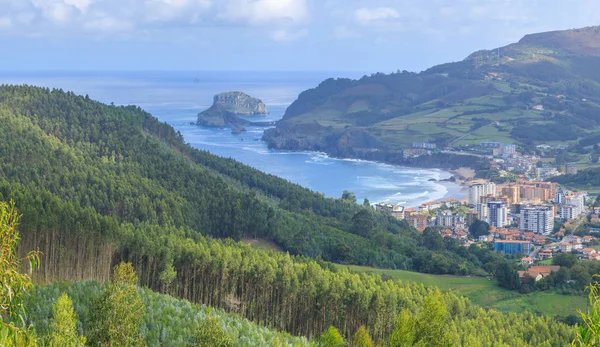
489 96
486 292
168 321
99 185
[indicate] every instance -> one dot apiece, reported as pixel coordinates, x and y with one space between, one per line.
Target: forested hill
98 184
91 178
545 87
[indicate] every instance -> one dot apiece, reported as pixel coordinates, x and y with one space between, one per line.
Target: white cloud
267 11
284 35
375 16
281 20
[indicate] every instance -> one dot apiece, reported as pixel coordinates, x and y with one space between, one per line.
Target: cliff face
240 103
227 107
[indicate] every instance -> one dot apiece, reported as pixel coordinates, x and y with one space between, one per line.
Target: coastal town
528 218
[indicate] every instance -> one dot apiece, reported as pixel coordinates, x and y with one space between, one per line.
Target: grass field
487 293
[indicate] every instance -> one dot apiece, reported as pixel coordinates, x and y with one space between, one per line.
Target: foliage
428 328
588 333
118 312
13 284
168 321
211 334
479 228
63 330
362 338
331 338
107 170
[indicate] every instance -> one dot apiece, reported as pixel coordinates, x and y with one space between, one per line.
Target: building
575 199
497 214
398 212
545 254
477 190
513 247
508 150
546 172
418 221
527 261
425 145
513 193
539 219
567 212
447 219
472 216
570 169
566 247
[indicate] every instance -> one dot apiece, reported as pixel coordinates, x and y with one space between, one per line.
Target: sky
291 35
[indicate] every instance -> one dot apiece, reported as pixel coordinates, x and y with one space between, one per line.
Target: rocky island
228 107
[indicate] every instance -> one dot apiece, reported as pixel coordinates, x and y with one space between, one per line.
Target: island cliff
226 109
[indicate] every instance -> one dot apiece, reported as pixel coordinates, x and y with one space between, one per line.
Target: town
532 221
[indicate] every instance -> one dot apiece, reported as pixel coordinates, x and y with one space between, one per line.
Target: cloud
259 12
279 19
375 16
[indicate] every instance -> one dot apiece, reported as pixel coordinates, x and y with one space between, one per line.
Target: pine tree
63 331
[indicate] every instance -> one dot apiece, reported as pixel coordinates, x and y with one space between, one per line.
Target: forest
94 172
98 186
270 288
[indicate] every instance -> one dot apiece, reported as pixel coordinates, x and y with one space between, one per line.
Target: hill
542 89
99 184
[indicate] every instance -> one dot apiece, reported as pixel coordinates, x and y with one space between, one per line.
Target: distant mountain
544 88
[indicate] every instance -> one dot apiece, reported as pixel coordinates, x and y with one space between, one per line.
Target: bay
177 97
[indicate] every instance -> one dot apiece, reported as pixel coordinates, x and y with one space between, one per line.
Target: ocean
177 97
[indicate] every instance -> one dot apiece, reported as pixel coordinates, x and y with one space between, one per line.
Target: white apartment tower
481 189
539 219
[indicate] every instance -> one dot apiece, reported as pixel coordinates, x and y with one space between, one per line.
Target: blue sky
361 35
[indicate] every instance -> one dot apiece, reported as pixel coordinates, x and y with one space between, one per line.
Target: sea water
177 97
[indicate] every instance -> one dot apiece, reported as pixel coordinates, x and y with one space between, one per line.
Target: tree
588 333
210 333
349 196
331 338
432 239
362 338
118 313
13 284
63 330
567 260
362 223
428 328
479 228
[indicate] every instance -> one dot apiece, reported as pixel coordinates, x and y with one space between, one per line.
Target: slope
489 96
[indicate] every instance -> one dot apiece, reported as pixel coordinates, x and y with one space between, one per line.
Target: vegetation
118 312
13 284
102 185
91 180
489 96
63 331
